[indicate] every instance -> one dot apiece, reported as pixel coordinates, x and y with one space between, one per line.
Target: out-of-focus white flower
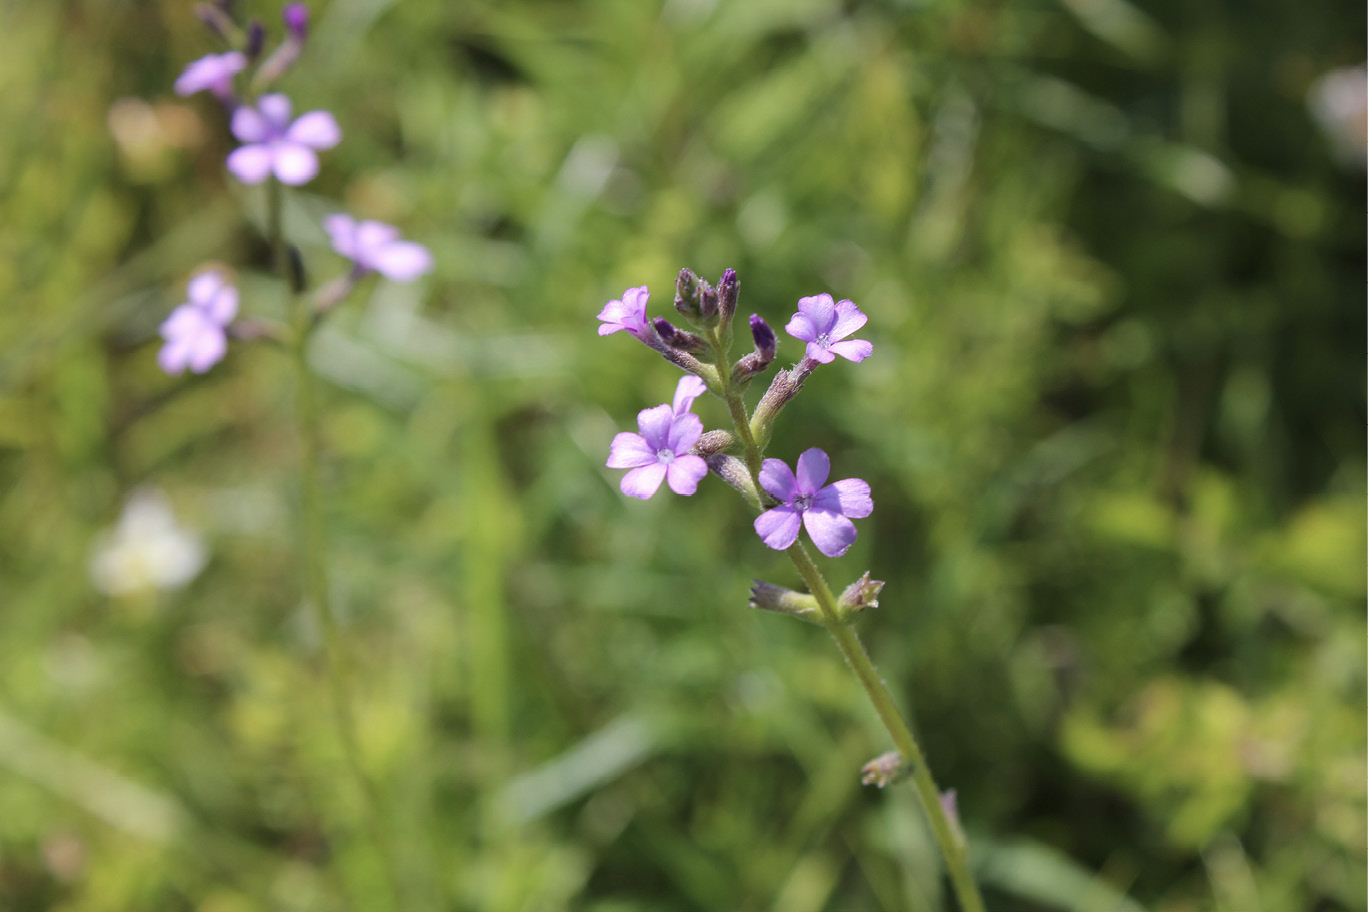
147 549
1339 102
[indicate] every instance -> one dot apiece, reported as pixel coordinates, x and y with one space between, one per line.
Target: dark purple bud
769 597
256 39
766 344
680 339
296 18
728 289
294 269
884 770
859 595
707 302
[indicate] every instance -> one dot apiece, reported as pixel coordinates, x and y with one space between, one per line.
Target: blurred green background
1114 427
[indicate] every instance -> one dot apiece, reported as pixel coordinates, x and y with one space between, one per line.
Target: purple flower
194 332
659 451
377 247
275 145
822 325
296 17
825 511
214 72
628 313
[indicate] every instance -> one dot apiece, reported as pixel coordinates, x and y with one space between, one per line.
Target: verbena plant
672 447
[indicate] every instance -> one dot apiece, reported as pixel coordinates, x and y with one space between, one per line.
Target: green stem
316 586
952 847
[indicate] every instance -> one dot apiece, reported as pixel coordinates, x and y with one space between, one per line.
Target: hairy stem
952 847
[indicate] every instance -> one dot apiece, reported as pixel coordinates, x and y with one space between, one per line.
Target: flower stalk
787 501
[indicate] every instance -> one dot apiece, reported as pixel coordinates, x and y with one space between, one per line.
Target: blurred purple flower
377 247
296 17
272 144
194 332
825 511
659 452
628 313
214 72
822 325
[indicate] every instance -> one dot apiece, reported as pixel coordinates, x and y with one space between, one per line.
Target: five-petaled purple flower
825 511
822 325
194 332
274 145
629 313
377 247
659 452
214 72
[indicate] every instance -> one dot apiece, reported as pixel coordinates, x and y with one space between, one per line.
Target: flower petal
853 349
848 319
685 473
629 451
777 479
689 389
813 468
832 533
849 496
341 230
372 235
250 164
317 129
223 306
203 287
801 328
643 482
401 261
684 432
249 126
819 354
778 528
294 164
821 310
173 357
276 109
654 424
207 349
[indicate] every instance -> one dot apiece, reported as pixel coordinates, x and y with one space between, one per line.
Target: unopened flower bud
256 40
769 597
734 472
859 595
783 388
294 269
713 442
680 339
296 16
695 299
884 770
766 345
728 290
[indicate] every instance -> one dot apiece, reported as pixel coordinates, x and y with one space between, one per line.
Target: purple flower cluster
195 332
274 146
665 448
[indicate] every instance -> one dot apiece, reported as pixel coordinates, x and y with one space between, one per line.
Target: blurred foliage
1113 424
